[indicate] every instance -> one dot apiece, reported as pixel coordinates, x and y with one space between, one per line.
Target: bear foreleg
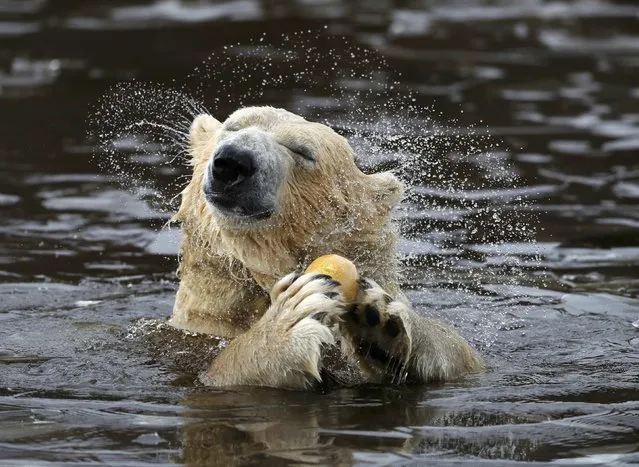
394 344
284 348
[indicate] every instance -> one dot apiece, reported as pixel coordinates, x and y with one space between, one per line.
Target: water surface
527 111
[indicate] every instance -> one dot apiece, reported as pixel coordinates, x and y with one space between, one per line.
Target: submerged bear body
269 193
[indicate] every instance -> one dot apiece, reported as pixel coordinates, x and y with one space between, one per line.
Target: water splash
139 131
462 221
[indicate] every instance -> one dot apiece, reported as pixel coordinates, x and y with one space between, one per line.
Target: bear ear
202 128
388 190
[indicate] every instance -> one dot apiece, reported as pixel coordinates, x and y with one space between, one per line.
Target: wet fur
228 266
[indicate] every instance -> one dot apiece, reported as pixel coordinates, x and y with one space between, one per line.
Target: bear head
273 190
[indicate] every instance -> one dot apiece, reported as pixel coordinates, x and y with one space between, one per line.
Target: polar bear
270 192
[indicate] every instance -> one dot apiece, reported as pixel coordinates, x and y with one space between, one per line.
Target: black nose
231 165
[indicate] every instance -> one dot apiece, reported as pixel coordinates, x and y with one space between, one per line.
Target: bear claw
372 315
393 326
376 335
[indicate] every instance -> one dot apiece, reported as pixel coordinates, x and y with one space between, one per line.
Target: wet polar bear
270 192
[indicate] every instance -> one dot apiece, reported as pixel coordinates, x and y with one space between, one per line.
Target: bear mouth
237 206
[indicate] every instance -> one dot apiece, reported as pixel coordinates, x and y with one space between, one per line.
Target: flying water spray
461 221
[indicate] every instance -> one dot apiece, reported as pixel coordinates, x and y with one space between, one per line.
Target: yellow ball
340 269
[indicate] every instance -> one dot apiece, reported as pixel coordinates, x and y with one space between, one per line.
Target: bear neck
353 224
270 253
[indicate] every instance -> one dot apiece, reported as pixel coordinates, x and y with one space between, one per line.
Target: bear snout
231 166
242 181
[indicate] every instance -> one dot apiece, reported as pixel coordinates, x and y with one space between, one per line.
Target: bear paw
296 297
374 333
284 348
305 311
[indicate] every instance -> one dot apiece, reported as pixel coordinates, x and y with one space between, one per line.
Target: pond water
516 125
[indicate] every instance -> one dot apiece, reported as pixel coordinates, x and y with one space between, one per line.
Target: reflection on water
524 110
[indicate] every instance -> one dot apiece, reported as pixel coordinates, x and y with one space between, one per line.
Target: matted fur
227 268
333 209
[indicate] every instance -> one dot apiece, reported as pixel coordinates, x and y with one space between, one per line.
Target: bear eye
303 152
232 126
